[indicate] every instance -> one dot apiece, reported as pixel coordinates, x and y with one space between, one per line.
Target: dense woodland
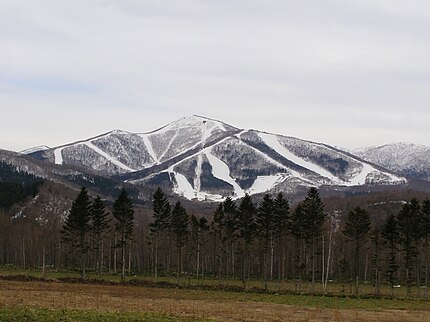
309 243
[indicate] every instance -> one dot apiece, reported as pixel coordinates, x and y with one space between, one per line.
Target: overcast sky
349 73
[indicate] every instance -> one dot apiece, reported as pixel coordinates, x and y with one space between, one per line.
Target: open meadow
27 298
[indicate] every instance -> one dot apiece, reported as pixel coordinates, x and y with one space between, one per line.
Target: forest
306 245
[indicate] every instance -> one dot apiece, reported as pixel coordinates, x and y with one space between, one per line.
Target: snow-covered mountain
407 159
201 158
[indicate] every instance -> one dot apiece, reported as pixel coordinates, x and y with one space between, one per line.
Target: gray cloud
314 69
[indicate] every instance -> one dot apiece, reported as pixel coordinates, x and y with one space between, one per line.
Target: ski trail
279 164
108 157
183 187
169 145
265 183
221 171
273 142
58 154
197 178
149 148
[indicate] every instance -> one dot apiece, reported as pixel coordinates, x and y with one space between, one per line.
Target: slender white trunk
129 259
328 258
323 263
198 260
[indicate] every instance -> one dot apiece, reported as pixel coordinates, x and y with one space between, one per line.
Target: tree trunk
426 290
115 259
123 262
357 253
328 258
323 263
23 253
272 251
44 261
313 265
129 259
178 272
156 259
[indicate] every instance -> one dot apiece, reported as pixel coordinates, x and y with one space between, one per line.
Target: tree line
270 241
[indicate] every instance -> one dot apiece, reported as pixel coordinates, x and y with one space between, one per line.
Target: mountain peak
193 121
203 158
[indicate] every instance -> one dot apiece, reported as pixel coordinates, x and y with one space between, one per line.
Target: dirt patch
105 298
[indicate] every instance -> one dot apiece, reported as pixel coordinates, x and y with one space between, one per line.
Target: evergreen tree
408 219
99 227
425 232
218 232
160 225
246 214
198 229
391 238
375 236
179 229
231 222
282 223
313 217
265 228
297 230
124 214
77 226
356 229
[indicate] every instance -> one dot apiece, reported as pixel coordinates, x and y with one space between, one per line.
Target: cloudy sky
349 73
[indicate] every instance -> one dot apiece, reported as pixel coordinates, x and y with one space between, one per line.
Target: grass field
24 314
289 286
58 301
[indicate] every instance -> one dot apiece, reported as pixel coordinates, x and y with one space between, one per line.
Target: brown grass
105 298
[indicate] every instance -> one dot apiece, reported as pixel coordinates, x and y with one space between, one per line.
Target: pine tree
408 219
313 217
265 228
231 222
179 229
282 223
357 228
77 226
160 226
246 214
124 214
297 229
375 236
391 238
425 232
99 227
198 229
218 232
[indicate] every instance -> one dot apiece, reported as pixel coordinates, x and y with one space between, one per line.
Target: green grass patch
209 289
24 314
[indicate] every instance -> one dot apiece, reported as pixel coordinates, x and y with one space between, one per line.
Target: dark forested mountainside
16 186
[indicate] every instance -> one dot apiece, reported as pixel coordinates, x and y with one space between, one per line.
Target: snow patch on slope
266 183
108 157
221 171
272 141
182 187
150 148
35 149
169 145
58 155
292 173
197 178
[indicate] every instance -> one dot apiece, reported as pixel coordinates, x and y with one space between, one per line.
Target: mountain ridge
206 159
